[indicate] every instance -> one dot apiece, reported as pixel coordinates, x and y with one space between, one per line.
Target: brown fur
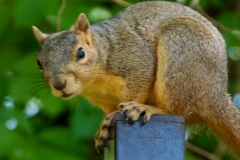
162 57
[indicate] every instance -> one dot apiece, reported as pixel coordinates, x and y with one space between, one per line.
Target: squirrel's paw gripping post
105 131
134 109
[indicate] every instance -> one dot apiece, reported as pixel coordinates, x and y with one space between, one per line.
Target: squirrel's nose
58 84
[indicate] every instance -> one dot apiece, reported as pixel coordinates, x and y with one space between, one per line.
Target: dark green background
64 130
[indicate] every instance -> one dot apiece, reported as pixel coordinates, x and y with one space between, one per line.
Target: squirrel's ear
38 34
81 23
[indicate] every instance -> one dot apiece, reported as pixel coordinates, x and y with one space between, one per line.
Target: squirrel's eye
39 64
80 53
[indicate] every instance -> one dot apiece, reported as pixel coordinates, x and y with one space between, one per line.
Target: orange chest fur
105 91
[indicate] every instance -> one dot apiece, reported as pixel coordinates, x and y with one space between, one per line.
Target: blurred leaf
234 53
236 33
29 12
58 136
23 125
200 135
211 3
191 156
52 106
97 14
3 85
230 19
10 140
55 154
36 151
85 123
217 3
52 19
236 100
5 15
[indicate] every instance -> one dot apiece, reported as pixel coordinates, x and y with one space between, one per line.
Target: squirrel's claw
98 147
134 110
100 144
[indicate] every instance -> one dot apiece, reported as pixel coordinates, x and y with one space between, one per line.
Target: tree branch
59 15
201 152
195 5
122 3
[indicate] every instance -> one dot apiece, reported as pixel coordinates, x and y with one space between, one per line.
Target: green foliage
36 125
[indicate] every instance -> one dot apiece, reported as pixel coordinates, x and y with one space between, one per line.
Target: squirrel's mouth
66 96
64 86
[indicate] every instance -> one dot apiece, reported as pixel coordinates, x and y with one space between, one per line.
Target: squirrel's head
68 59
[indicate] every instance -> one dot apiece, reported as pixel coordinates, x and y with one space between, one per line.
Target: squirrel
151 58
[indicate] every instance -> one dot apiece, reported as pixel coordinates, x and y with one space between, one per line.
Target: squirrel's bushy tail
226 124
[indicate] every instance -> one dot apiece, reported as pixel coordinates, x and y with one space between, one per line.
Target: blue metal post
162 138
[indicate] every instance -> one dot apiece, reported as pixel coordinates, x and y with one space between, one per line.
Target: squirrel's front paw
134 109
105 131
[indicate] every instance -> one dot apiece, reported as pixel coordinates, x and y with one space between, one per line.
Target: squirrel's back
146 18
